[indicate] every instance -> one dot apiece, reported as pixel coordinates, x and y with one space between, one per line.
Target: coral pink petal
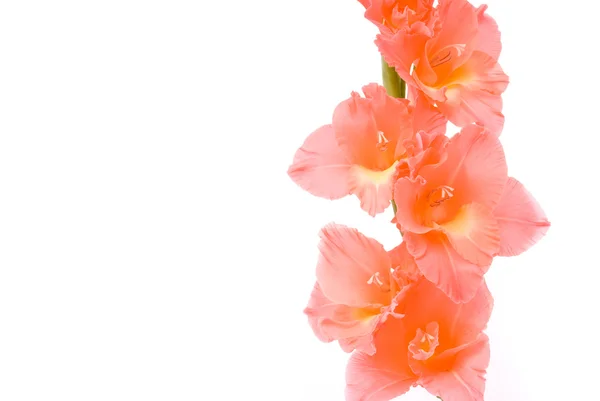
320 166
428 118
488 34
458 278
330 322
373 188
466 380
475 167
356 130
405 268
476 98
474 234
401 50
521 219
385 375
353 269
475 106
406 193
391 114
459 25
460 323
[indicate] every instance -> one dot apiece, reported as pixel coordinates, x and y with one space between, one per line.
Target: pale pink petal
356 130
458 278
465 380
385 375
373 188
459 26
365 343
367 129
474 234
406 194
353 269
405 268
391 114
320 166
474 106
488 34
521 219
475 94
475 167
424 149
330 322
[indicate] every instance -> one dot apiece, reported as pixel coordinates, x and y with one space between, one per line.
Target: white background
152 246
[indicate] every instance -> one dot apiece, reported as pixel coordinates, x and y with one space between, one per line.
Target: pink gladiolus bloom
437 344
456 66
360 151
459 213
391 16
358 286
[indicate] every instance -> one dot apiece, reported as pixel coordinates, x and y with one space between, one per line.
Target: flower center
382 141
439 195
446 54
375 279
423 346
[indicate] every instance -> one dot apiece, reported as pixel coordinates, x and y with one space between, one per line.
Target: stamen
439 195
382 141
375 279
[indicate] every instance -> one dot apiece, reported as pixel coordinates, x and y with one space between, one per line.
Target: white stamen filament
382 138
375 278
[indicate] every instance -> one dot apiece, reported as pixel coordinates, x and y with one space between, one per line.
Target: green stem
395 87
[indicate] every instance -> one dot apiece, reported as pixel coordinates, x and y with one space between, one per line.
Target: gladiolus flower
456 66
437 344
391 16
360 151
458 214
358 286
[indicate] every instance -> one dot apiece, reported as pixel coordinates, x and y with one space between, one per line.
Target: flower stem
396 87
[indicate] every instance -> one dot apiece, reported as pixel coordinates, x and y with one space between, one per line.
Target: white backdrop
152 246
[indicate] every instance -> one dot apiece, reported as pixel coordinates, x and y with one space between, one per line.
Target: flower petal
401 50
459 26
488 34
373 188
356 130
521 220
406 195
458 278
391 114
427 117
320 166
405 268
353 269
331 321
385 375
465 381
474 234
474 95
368 129
475 167
460 323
